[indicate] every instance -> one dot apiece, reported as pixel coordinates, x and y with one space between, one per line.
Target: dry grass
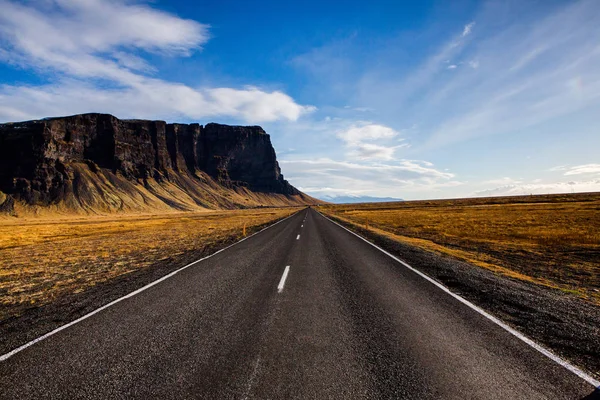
42 259
552 240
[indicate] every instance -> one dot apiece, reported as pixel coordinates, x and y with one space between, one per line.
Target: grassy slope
94 191
552 240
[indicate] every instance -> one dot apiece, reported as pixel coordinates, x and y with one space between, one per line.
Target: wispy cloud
517 78
366 151
93 53
385 90
358 136
78 37
583 169
542 188
559 168
467 29
466 90
152 99
577 169
588 181
366 131
401 179
474 64
523 72
526 75
505 181
100 26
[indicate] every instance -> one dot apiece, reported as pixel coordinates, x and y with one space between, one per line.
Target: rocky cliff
97 162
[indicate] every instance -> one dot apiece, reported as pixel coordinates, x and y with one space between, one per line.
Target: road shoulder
37 321
567 325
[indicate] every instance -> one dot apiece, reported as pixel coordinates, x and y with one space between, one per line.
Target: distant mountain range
357 199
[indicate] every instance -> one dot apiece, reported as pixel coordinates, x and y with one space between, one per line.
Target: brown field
42 259
552 240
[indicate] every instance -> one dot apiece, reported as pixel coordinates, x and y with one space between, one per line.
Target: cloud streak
100 26
523 71
525 75
583 169
93 52
403 178
150 99
467 29
358 136
512 81
542 188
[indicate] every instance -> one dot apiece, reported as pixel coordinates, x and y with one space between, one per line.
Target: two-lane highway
304 309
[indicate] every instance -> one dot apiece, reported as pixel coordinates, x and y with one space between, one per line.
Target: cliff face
81 159
241 155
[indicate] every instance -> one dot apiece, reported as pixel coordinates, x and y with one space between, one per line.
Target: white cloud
133 62
384 90
254 104
542 188
93 26
559 168
474 64
531 68
357 135
467 29
529 74
366 131
150 99
525 73
452 66
403 178
93 51
584 169
370 151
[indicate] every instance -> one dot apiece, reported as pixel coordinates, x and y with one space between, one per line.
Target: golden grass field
552 240
44 258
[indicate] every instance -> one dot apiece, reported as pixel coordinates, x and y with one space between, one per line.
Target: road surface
304 309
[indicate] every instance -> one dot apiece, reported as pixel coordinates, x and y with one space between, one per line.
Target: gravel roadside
37 321
563 323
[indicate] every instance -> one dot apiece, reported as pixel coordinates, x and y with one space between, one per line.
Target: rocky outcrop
241 155
7 204
47 161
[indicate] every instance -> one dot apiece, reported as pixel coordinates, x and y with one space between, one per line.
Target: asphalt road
346 322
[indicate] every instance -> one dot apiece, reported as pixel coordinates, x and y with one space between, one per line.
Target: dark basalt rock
36 156
241 155
7 204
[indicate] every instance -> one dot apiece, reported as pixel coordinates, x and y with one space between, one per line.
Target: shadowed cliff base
96 163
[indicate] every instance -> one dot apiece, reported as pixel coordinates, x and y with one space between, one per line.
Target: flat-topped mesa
38 158
242 154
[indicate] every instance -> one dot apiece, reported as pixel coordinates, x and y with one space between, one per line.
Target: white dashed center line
283 278
297 237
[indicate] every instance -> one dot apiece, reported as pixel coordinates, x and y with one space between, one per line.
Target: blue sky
421 99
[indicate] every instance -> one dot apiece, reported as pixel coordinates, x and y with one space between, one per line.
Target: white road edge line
297 237
589 379
283 278
252 378
112 303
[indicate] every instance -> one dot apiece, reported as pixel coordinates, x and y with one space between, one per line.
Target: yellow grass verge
549 240
480 260
41 260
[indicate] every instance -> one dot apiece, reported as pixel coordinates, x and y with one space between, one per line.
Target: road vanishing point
303 309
